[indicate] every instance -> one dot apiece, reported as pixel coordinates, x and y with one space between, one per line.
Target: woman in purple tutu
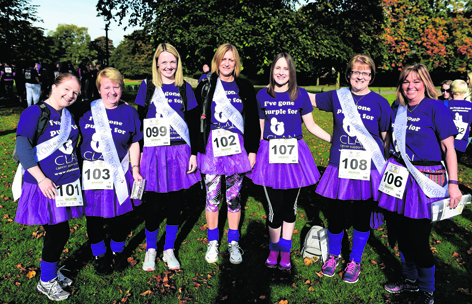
169 156
230 134
51 194
423 131
284 162
351 180
111 131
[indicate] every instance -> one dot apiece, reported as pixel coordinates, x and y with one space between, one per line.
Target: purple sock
213 234
274 246
117 246
99 248
408 268
233 235
151 239
48 271
285 245
334 241
359 241
426 278
171 235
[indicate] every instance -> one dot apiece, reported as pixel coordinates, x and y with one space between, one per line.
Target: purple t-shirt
283 117
218 120
428 124
173 98
61 166
375 113
461 111
125 129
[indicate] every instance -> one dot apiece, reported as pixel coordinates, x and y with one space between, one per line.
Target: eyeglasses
444 90
357 73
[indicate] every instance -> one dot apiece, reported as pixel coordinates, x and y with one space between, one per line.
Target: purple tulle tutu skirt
223 165
417 205
104 203
165 168
36 209
285 176
331 186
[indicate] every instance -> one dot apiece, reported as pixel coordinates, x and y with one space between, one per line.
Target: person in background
468 95
20 82
32 85
446 90
7 75
206 70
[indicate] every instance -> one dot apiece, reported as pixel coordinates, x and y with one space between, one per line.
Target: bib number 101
69 190
69 195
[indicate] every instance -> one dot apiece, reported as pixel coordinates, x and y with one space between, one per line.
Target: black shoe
119 261
102 266
425 298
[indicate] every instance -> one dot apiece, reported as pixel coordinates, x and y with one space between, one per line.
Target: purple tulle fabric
285 176
104 203
331 186
165 168
417 205
223 165
36 209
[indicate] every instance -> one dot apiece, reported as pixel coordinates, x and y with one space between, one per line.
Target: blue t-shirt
218 119
461 111
61 166
375 113
125 129
283 117
428 124
175 102
203 77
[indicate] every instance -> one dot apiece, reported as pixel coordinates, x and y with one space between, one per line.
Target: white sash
170 115
430 188
110 155
227 108
44 150
353 118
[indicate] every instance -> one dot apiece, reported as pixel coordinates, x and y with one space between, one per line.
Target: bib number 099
156 132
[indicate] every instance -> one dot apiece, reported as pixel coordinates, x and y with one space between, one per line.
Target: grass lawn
222 282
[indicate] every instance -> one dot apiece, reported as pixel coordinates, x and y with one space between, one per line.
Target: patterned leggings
214 194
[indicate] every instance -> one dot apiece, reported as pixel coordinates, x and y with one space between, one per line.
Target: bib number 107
283 149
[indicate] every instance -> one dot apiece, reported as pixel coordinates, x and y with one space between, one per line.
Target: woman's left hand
455 195
192 164
136 175
252 159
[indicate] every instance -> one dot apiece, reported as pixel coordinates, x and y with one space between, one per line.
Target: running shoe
271 261
119 261
329 267
101 265
211 255
172 262
235 253
425 298
52 290
63 280
285 261
352 272
150 260
402 285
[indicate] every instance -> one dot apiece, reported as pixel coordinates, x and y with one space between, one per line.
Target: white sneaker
172 262
63 280
52 290
235 253
150 260
212 252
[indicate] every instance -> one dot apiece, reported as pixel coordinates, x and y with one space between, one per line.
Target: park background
321 36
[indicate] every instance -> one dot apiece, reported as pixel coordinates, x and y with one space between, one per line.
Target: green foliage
99 45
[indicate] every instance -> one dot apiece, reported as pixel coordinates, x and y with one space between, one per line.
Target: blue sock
285 245
151 238
117 246
171 235
274 246
213 234
408 268
334 243
99 248
48 271
358 244
426 278
233 235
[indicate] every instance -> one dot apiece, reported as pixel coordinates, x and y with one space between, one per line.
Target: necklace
357 101
411 111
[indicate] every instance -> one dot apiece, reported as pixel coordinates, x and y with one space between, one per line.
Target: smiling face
110 92
281 73
167 65
360 78
227 65
413 88
65 93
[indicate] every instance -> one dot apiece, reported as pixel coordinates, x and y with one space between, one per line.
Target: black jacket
252 128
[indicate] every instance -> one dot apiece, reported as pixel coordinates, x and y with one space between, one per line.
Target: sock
171 235
426 278
48 271
151 239
233 235
285 245
213 234
359 241
117 246
334 243
408 268
274 246
99 248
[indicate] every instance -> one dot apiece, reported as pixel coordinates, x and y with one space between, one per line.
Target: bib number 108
355 164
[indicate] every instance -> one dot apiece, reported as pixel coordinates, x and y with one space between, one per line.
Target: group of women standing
227 132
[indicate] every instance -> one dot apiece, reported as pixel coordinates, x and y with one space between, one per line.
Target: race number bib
394 180
283 151
225 143
354 164
56 73
28 75
69 195
8 70
462 128
97 175
156 133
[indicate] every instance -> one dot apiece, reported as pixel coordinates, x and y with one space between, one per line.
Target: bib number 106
390 179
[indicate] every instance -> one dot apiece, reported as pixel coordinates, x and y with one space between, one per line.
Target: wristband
137 166
454 182
41 180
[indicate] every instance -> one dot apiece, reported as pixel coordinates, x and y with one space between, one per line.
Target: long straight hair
218 57
292 82
422 72
156 73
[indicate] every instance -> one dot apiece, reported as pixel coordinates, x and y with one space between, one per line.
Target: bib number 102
223 142
355 164
391 179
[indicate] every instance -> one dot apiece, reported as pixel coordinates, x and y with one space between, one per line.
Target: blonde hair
220 53
156 73
111 73
422 73
459 87
362 59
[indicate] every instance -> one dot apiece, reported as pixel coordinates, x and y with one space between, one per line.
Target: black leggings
340 211
153 205
54 241
282 206
117 226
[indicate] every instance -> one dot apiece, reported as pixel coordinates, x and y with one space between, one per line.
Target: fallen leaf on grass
373 262
295 231
132 261
311 289
283 302
262 297
307 282
308 261
455 254
146 293
319 273
31 274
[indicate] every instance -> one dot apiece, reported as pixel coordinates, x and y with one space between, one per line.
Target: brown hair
292 82
156 73
422 72
362 59
60 79
220 53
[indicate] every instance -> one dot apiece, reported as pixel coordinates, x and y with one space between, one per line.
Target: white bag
316 244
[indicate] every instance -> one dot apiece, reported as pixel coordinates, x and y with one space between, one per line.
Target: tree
99 45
